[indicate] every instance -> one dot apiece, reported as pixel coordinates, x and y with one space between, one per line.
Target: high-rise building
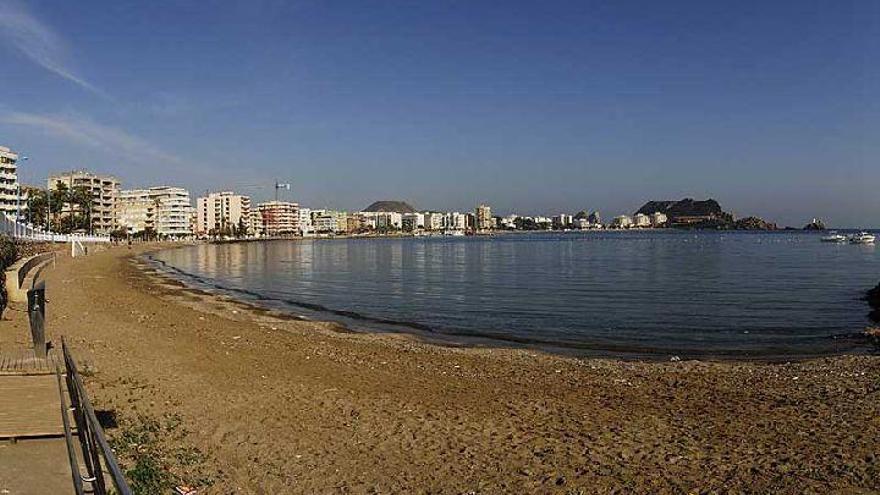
135 211
104 190
484 219
10 203
305 222
279 217
223 213
165 210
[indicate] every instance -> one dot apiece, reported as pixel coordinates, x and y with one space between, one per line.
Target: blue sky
769 107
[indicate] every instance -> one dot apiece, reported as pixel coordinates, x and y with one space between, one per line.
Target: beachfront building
10 202
223 213
658 219
304 222
325 222
353 223
389 220
104 190
455 221
562 221
484 219
165 210
278 217
367 220
412 222
433 220
640 220
622 222
508 222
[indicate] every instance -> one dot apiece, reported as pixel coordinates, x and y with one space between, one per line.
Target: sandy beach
234 399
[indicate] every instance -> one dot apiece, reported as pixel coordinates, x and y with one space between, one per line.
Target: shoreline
272 405
356 323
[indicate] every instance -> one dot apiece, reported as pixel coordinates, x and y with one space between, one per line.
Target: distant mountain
390 207
688 207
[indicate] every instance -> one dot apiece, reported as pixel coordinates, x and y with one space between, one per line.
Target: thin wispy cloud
39 43
85 132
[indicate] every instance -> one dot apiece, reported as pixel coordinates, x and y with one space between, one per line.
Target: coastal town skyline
530 117
99 204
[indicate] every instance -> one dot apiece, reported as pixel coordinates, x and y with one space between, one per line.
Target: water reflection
730 292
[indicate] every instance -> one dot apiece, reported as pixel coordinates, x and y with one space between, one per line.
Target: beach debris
236 337
184 490
675 359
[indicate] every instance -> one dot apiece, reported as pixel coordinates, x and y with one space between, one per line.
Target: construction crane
277 186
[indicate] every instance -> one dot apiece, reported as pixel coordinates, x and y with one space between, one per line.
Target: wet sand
270 404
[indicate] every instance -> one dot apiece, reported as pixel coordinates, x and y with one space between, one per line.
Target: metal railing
97 456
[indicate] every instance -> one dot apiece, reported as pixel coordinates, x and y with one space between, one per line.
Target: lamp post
17 229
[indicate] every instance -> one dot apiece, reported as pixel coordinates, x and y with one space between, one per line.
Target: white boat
862 238
834 237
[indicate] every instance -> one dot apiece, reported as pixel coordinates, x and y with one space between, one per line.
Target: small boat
862 238
834 237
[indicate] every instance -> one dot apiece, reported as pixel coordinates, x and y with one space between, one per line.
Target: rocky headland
689 213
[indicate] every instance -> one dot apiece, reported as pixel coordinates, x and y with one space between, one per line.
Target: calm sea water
683 293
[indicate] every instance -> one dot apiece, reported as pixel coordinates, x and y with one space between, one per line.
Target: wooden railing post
37 316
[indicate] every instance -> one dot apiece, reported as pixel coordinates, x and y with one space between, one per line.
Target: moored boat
862 238
834 237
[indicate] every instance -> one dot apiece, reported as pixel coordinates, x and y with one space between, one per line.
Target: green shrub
8 255
8 251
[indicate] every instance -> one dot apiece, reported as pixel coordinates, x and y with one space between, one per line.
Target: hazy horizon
534 108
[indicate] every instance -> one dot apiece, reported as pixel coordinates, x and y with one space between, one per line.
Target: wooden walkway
30 406
33 451
25 362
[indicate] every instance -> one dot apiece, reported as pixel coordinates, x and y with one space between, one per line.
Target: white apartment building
305 222
622 222
509 222
279 217
389 220
563 221
222 213
324 222
455 221
255 223
658 219
9 200
367 220
166 210
413 221
641 220
105 193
